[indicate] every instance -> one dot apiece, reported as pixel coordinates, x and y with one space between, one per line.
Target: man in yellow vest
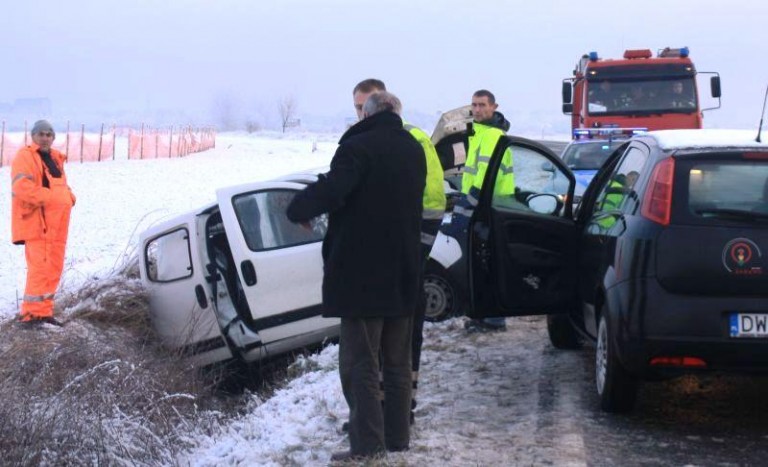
488 126
432 215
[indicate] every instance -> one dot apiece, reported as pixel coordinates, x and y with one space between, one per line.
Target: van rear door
279 262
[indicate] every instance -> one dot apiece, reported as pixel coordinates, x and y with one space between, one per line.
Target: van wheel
443 298
616 387
561 332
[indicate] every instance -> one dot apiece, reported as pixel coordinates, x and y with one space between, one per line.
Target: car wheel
561 332
616 387
443 299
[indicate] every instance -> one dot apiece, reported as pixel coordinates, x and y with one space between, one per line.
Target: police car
587 152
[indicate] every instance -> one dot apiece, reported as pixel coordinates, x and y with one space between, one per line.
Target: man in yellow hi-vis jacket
488 126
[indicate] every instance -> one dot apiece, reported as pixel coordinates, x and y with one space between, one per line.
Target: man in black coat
373 194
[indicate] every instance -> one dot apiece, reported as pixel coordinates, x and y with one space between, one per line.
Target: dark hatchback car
661 267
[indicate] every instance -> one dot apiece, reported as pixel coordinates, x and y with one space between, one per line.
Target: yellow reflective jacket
434 194
481 145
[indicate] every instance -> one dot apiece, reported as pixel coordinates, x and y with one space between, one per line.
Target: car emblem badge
742 256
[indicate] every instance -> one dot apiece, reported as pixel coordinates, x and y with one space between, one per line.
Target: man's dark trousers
373 427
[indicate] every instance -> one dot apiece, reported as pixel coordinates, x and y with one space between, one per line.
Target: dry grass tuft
98 391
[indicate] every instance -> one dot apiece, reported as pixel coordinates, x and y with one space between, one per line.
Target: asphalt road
537 405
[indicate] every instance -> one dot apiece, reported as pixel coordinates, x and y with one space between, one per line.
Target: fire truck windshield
612 97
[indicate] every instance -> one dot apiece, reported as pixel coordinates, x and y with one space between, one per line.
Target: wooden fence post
101 139
2 144
82 140
141 143
67 143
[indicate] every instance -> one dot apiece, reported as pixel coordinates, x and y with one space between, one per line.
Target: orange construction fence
79 146
146 143
149 143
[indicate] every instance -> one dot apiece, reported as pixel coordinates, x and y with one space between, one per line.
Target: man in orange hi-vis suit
40 210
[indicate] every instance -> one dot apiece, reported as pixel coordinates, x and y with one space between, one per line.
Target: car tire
443 298
616 387
561 332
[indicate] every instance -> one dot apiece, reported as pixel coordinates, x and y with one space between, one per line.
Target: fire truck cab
639 90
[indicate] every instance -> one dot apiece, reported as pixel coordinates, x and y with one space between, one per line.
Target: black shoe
52 320
341 456
478 325
345 427
38 322
398 448
347 456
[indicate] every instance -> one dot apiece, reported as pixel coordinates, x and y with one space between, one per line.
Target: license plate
749 325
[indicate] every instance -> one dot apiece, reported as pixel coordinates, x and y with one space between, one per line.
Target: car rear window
726 189
588 156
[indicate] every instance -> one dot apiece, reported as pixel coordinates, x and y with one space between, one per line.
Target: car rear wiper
736 214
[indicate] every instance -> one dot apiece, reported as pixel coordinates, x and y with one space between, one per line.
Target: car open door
278 262
172 270
522 245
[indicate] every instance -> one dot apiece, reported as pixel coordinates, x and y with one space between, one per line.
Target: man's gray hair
382 102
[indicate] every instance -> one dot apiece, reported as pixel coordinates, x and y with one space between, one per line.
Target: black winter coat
373 194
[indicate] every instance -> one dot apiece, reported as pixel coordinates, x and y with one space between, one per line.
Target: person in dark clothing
433 204
371 253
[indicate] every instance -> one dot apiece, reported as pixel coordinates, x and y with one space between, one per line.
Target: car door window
618 192
168 258
534 184
265 226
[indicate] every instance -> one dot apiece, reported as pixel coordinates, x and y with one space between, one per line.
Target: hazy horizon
189 59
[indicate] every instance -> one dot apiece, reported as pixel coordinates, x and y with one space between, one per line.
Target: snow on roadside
479 404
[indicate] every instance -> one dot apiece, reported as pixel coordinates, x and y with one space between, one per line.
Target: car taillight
691 362
657 203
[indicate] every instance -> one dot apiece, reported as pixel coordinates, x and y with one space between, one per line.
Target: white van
236 278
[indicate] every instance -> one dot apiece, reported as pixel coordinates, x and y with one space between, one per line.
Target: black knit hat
42 125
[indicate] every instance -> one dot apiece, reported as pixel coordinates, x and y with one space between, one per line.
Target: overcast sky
90 55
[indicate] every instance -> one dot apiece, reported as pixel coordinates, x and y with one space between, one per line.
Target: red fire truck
639 90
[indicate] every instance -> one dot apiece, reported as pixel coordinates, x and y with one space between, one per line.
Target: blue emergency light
607 132
684 52
593 56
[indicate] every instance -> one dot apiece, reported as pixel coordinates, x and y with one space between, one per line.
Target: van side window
168 257
264 224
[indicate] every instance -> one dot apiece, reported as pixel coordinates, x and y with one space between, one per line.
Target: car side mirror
544 203
547 167
715 85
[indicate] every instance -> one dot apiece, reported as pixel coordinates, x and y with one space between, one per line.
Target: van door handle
200 294
249 272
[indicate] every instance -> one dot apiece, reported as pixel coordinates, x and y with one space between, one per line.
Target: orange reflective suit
40 221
